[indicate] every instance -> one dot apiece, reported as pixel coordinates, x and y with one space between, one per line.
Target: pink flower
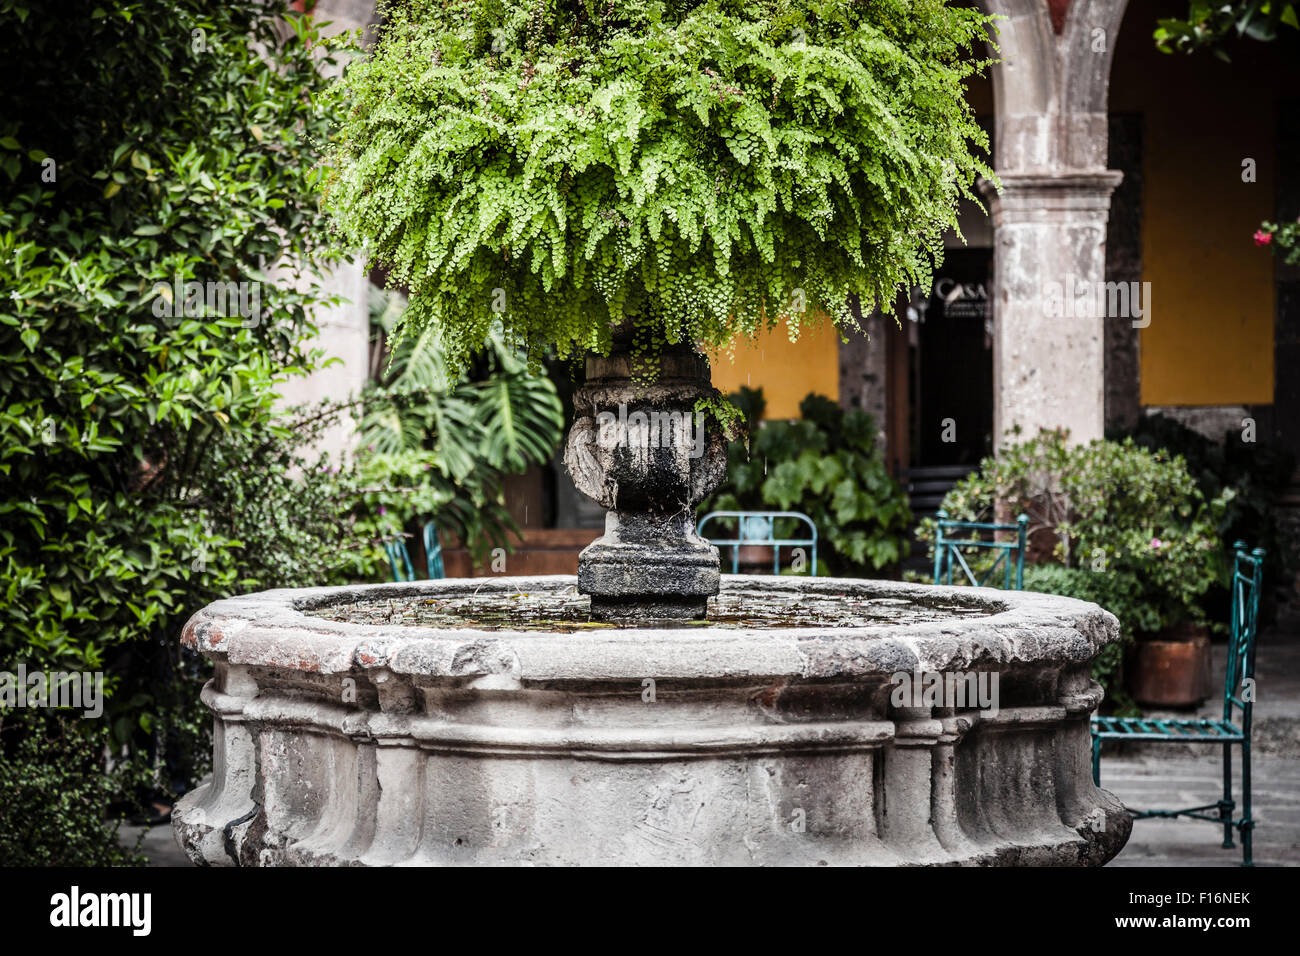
1157 544
1263 238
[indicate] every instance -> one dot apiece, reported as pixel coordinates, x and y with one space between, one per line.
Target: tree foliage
1212 25
700 168
182 146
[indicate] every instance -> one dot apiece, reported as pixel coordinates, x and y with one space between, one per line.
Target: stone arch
1049 220
1087 49
1025 84
1050 91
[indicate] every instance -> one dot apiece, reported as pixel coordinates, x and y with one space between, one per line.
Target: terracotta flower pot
1172 670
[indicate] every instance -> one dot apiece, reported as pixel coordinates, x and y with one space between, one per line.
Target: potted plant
640 182
1172 669
1129 529
1169 665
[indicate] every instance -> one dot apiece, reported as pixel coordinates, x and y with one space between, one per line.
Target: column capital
1040 196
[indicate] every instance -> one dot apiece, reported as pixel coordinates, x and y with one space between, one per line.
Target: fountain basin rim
272 629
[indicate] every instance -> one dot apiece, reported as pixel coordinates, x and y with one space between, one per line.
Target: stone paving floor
159 845
1170 782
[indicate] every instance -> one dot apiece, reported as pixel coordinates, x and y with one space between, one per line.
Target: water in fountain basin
564 610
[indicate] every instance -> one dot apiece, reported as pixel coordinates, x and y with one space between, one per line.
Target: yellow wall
787 371
1210 341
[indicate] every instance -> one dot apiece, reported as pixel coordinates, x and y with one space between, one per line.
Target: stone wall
345 328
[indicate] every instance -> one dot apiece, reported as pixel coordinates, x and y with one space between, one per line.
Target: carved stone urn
642 447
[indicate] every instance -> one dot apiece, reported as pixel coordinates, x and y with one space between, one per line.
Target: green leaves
1211 25
50 780
1108 507
519 418
447 444
827 466
688 167
125 427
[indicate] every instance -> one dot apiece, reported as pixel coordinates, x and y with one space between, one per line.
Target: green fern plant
699 169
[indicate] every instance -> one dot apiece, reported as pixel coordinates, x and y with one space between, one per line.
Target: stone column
1050 94
1048 348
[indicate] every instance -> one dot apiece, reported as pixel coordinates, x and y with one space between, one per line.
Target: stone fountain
650 711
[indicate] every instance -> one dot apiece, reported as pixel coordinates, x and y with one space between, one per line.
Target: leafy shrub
1110 508
171 163
826 465
1256 473
1119 592
700 167
175 143
55 793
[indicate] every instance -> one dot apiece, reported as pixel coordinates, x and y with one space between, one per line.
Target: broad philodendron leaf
827 466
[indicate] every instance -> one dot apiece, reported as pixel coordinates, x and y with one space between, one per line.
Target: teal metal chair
1238 694
433 551
948 550
757 528
399 558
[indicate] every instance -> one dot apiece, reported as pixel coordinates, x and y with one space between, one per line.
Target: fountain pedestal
373 725
646 455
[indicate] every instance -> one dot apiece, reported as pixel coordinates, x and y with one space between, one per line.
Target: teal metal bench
757 528
1238 692
948 550
399 558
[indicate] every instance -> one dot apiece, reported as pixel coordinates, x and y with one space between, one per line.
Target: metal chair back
1238 685
399 559
758 528
948 550
433 551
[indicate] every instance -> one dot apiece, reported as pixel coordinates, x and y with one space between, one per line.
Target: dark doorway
952 364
